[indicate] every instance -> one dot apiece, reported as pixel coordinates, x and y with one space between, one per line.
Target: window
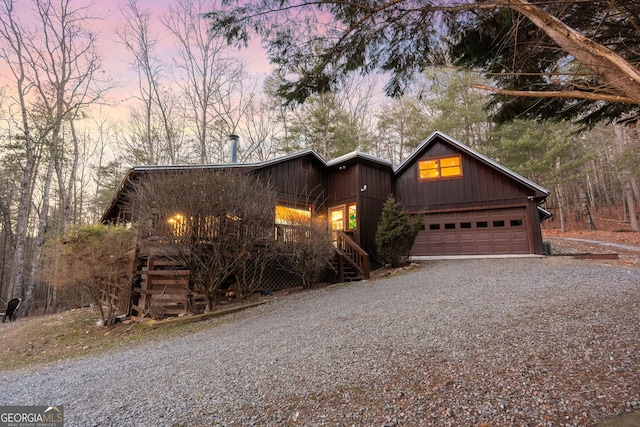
516 222
288 221
291 216
465 225
440 168
498 223
434 226
482 224
336 216
449 226
344 217
353 220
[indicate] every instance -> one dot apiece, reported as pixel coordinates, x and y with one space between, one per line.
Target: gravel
523 341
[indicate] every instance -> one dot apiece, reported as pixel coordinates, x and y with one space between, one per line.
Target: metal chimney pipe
234 147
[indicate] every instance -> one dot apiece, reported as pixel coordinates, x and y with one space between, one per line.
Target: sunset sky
117 60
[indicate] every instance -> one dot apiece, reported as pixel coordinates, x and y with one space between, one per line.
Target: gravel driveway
527 341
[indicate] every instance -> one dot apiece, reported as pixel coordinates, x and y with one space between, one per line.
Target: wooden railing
349 250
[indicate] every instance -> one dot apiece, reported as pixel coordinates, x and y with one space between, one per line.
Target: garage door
485 232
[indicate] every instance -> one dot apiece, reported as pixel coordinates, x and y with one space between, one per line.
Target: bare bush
305 250
219 223
95 259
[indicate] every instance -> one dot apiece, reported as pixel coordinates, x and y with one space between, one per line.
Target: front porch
163 286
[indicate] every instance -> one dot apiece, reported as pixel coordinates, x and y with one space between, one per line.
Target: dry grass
75 333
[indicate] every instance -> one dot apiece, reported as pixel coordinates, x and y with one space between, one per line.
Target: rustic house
470 205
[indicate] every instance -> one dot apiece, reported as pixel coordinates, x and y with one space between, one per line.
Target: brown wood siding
536 230
345 187
295 184
479 186
370 203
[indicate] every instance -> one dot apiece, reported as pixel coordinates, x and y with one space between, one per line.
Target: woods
70 128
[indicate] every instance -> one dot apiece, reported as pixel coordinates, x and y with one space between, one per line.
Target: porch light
178 224
176 219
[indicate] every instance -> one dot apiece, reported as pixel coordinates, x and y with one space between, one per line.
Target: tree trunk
608 65
561 210
636 189
627 180
42 225
585 212
68 216
633 218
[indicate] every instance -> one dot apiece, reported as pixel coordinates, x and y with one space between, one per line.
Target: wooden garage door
485 232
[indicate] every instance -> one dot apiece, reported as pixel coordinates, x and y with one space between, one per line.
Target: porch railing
354 255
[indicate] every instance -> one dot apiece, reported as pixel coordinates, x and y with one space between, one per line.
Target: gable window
440 168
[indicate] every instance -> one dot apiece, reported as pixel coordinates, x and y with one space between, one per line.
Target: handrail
353 253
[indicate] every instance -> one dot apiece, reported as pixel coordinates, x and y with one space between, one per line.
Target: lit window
290 223
292 216
353 220
440 168
336 216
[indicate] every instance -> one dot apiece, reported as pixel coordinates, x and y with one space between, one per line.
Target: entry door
336 218
336 215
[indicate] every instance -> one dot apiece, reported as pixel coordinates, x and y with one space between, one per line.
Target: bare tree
54 67
304 249
155 122
15 56
263 133
215 222
233 103
64 63
207 70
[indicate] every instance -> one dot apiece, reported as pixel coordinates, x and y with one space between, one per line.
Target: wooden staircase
161 286
351 262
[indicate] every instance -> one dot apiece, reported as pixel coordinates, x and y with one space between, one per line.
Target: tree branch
576 94
607 64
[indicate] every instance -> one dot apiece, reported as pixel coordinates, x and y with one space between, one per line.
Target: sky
117 60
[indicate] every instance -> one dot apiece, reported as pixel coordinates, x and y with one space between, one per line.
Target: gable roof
133 172
358 155
439 136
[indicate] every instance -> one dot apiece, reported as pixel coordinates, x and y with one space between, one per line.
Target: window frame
346 220
439 168
348 207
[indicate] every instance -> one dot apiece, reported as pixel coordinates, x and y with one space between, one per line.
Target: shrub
395 235
95 259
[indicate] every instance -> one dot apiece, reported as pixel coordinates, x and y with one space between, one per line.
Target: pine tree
395 234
